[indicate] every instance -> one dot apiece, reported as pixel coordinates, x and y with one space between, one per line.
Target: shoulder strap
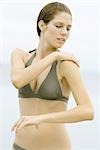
28 63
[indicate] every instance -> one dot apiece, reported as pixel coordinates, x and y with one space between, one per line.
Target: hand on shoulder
63 57
70 68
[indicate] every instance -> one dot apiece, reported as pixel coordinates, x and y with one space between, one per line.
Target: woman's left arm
84 110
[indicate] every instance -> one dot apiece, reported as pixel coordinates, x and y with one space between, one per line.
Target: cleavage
36 84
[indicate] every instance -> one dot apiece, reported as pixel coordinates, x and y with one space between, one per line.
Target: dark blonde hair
49 11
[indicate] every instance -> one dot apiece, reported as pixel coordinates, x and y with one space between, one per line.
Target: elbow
89 113
16 82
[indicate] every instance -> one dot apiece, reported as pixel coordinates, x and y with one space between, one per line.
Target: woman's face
57 30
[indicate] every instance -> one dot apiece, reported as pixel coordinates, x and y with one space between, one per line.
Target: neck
44 49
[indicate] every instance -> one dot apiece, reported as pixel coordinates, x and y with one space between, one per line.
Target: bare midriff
48 136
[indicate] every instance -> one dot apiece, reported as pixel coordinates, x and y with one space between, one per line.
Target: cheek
53 30
68 34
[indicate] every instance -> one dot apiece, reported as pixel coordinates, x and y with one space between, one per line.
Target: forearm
76 114
33 71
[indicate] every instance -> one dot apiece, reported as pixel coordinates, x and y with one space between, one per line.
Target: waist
35 106
46 135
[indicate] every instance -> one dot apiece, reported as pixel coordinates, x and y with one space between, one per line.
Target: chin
57 46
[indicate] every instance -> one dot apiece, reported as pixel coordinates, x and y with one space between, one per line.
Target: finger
13 127
17 124
22 125
73 60
77 63
25 123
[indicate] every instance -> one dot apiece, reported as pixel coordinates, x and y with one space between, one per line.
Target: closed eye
61 26
68 29
58 26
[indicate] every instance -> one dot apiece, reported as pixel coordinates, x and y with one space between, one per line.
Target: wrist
47 118
56 55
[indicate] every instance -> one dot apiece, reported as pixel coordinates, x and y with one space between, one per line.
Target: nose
64 31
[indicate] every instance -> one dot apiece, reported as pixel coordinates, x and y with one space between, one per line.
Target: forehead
62 17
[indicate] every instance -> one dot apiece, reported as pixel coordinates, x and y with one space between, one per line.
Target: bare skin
41 125
46 135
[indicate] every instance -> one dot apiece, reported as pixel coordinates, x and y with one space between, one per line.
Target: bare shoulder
17 51
69 68
17 54
72 74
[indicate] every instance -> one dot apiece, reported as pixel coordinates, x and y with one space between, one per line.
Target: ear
41 25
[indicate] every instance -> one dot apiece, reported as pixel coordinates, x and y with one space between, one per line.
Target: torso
49 136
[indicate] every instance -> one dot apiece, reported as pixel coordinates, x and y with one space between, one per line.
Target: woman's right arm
20 76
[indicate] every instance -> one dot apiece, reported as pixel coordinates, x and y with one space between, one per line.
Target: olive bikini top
49 89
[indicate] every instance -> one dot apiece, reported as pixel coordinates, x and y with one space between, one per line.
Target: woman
45 77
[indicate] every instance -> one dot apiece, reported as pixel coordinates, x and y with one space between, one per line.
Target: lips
61 39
